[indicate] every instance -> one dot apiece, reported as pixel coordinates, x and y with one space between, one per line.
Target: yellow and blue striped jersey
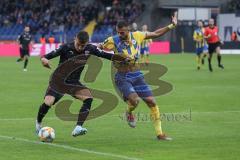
198 36
130 48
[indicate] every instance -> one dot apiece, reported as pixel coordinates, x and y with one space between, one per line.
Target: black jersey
25 39
68 52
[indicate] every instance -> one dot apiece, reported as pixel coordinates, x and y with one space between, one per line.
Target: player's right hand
174 19
45 62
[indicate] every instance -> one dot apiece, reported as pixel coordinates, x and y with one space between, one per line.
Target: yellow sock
155 116
147 59
142 58
198 61
201 58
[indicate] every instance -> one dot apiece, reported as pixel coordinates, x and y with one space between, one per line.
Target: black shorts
213 46
24 52
52 92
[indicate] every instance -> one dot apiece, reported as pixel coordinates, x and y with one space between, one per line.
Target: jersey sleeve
94 50
206 32
195 35
140 36
108 44
55 53
19 38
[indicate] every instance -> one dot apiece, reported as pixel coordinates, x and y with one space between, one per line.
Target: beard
124 38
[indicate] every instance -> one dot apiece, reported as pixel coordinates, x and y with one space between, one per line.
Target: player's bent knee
134 101
150 101
49 100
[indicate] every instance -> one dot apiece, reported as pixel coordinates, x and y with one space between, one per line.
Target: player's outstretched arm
161 31
45 59
94 50
18 40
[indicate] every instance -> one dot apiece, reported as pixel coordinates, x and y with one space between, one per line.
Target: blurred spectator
134 27
45 15
233 6
65 17
51 39
128 10
42 39
234 36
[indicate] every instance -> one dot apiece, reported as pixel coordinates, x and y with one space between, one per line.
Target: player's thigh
125 88
83 94
211 49
51 97
25 54
218 49
21 53
142 88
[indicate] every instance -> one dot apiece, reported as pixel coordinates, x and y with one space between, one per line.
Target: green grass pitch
211 133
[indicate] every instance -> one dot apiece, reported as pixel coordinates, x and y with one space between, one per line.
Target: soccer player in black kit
68 52
24 40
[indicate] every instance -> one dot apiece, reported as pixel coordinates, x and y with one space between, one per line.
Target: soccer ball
46 134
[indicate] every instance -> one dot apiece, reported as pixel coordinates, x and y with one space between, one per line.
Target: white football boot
38 127
79 130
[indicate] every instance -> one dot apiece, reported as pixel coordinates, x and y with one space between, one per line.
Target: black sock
25 63
19 59
209 64
219 58
43 109
84 111
209 61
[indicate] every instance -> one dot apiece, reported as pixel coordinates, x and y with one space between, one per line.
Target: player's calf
83 114
43 110
130 119
133 101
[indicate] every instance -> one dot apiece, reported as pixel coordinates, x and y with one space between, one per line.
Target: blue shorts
205 48
132 82
144 50
199 51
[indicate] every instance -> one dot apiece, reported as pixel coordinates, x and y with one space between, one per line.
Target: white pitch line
105 116
23 119
71 148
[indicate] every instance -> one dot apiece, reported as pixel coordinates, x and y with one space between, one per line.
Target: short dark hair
122 24
83 36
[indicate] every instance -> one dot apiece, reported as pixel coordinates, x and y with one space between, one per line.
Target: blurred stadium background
62 19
